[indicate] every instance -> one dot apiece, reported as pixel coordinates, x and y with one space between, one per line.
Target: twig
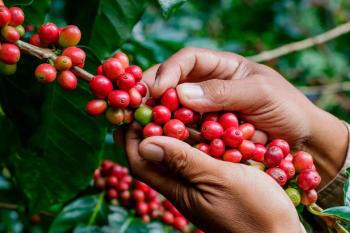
328 88
301 45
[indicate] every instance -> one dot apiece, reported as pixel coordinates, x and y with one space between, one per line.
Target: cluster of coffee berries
117 88
11 20
224 137
121 189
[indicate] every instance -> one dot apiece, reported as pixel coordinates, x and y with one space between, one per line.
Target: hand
214 81
216 196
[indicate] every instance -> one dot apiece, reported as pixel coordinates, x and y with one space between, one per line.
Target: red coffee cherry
29 28
112 194
142 186
48 33
96 107
247 148
168 218
35 40
5 16
273 156
115 116
126 82
175 128
217 148
101 86
69 36
45 73
135 98
123 58
63 63
308 179
281 144
203 147
106 166
119 99
77 56
289 158
112 181
210 116
141 88
233 137
233 156
278 175
248 130
288 167
100 183
161 114
9 54
128 116
309 197
17 16
211 130
135 71
141 208
170 99
185 115
302 160
99 70
228 120
10 34
259 153
152 129
67 80
112 68
138 195
180 223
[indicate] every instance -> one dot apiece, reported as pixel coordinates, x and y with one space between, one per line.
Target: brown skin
219 196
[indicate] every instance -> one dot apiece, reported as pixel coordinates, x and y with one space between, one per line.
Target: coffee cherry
10 34
123 59
48 33
294 196
20 30
100 183
281 144
138 195
228 120
309 197
96 107
289 158
135 71
29 28
185 135
152 129
118 99
170 99
233 137
125 195
35 40
126 82
180 224
5 16
99 70
45 73
112 68
63 63
211 130
248 130
233 156
135 98
288 167
175 128
9 54
168 218
308 179
141 208
143 115
141 88
128 116
106 166
117 171
247 148
101 86
151 102
278 175
203 147
185 115
161 114
69 36
67 80
7 70
77 56
17 16
112 181
273 156
217 148
259 153
112 194
115 116
142 186
210 116
302 160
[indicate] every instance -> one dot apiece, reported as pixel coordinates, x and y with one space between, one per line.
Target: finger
149 76
194 64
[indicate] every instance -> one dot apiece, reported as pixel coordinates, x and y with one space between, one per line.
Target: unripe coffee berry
141 88
259 153
135 71
21 30
294 196
247 148
96 107
45 73
128 116
115 116
302 160
308 179
17 16
281 144
48 33
6 69
123 58
77 56
112 68
5 16
278 175
9 54
288 167
217 148
233 156
69 36
228 120
135 98
233 137
143 115
118 99
185 115
152 129
161 114
203 147
309 197
126 82
63 63
170 99
10 34
175 128
211 130
273 156
101 86
67 80
248 130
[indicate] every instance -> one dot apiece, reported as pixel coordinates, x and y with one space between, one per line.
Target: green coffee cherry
143 115
294 196
6 69
21 30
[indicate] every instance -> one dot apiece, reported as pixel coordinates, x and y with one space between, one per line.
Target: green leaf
8 139
170 6
346 188
10 3
81 211
341 212
37 11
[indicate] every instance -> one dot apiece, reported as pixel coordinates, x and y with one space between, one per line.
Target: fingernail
152 152
190 91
